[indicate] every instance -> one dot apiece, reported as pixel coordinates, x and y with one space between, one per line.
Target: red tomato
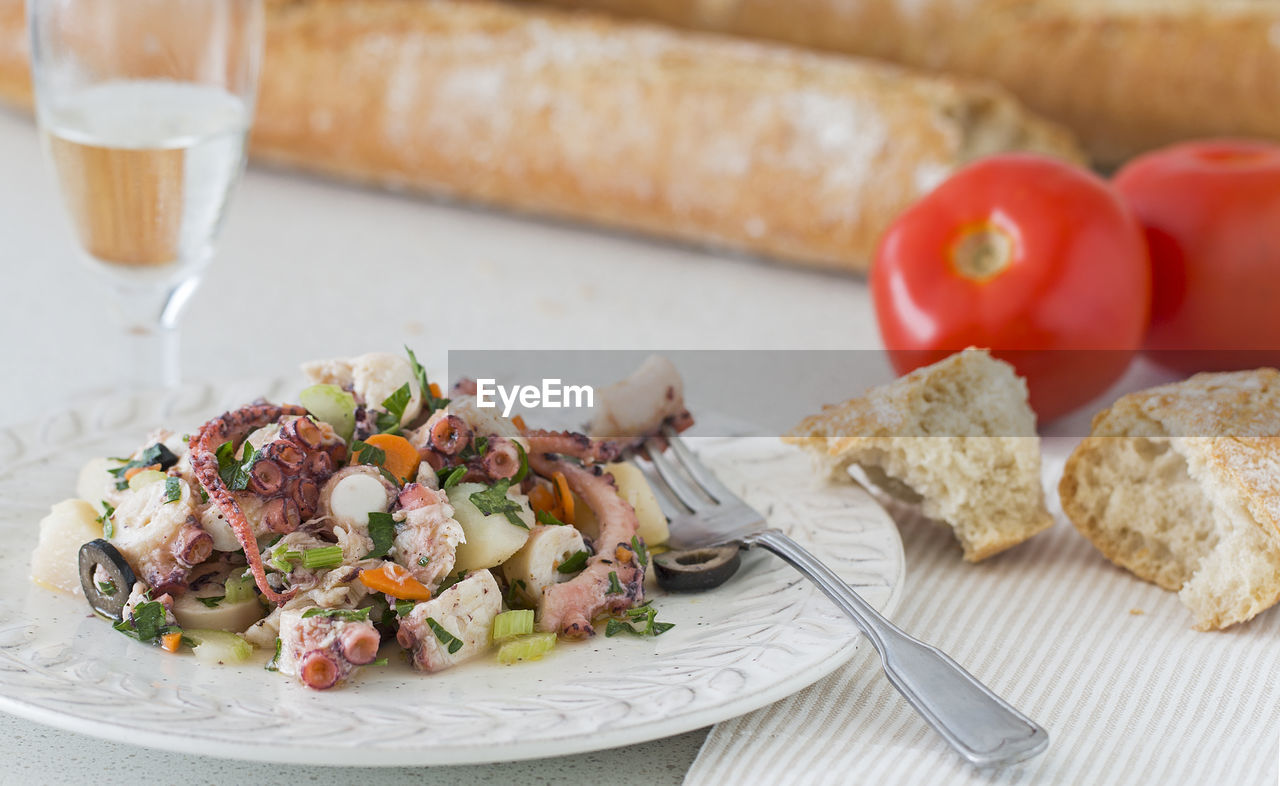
1211 211
1027 256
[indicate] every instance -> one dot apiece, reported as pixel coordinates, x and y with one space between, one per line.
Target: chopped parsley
428 400
379 662
147 623
423 561
274 663
172 489
213 601
450 476
643 616
512 598
108 526
204 495
107 587
494 500
395 405
451 642
451 580
382 529
475 449
404 607
615 586
156 455
575 562
642 553
524 463
545 517
233 471
346 615
368 454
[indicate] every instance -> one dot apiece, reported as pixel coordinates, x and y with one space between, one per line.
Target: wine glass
144 107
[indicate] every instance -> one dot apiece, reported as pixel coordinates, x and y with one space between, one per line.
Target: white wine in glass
145 107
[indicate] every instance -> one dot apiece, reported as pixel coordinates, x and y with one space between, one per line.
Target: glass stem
148 317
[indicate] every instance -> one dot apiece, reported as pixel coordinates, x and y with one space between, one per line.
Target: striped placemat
1106 662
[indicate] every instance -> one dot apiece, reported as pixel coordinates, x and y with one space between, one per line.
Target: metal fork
980 725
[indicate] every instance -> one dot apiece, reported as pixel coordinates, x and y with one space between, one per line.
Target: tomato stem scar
982 251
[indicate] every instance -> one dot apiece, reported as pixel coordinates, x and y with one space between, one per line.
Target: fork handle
983 727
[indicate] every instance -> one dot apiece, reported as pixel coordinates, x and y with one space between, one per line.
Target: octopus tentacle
321 651
569 607
447 434
233 427
571 443
192 545
318 670
360 645
266 477
286 454
502 459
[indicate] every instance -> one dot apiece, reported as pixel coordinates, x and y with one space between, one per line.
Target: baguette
1180 485
1126 75
958 437
736 144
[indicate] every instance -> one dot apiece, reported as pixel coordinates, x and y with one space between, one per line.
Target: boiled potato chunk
492 539
55 562
634 488
93 481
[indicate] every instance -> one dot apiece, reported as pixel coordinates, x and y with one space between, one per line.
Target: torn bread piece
1180 484
958 437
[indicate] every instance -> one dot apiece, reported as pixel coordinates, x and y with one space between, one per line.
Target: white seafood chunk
373 377
464 613
160 539
637 405
484 421
427 535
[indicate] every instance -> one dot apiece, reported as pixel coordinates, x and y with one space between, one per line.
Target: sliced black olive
164 457
106 596
696 570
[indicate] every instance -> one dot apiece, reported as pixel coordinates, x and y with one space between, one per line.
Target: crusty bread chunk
1180 484
957 436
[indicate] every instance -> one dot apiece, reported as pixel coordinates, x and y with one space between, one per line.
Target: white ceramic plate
762 636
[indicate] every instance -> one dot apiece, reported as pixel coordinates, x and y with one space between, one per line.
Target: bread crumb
1137 612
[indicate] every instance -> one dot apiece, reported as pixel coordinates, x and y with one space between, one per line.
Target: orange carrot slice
402 456
542 499
565 497
519 423
395 581
171 641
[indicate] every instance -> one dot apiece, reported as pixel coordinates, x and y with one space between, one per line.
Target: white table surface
310 269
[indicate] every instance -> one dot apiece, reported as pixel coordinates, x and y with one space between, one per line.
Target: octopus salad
371 514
